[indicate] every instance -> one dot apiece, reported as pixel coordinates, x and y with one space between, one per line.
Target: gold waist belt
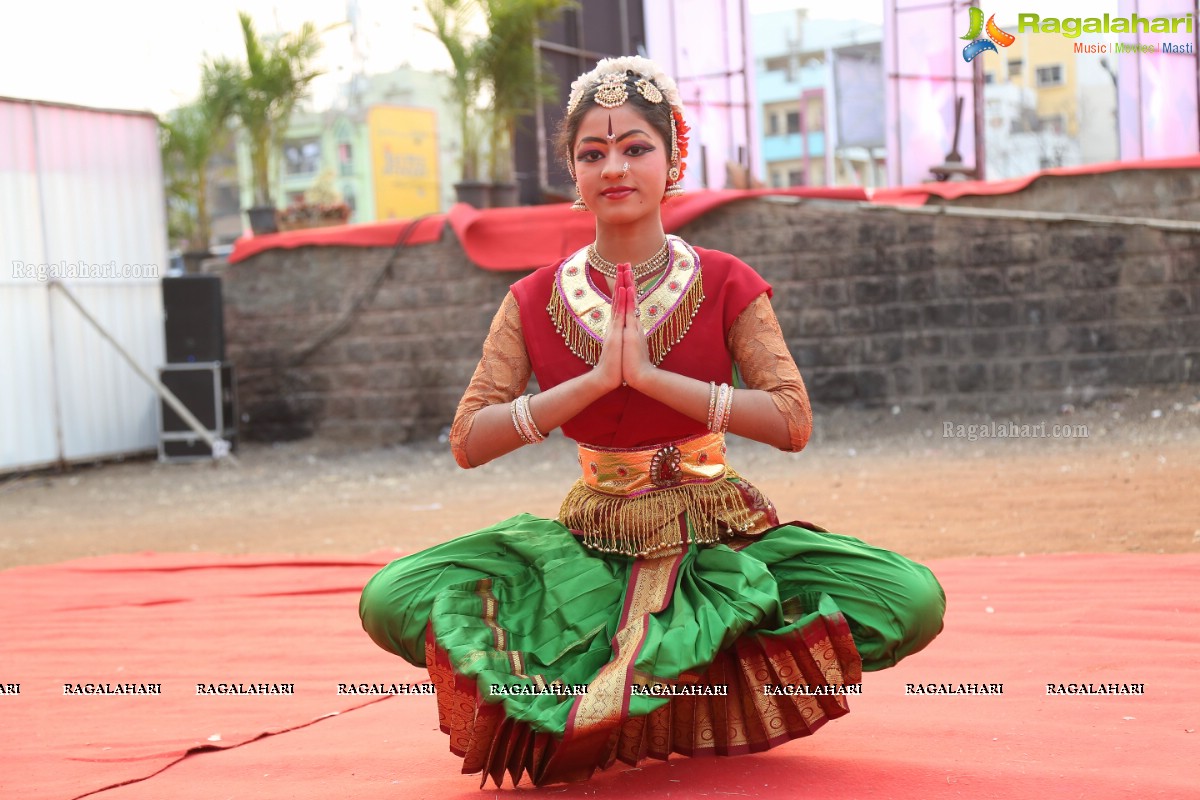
643 501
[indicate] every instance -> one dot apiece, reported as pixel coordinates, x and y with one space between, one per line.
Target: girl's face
609 138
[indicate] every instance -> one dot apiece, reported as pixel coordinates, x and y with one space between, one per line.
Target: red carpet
179 620
529 237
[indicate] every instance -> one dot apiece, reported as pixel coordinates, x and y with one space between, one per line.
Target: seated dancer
666 610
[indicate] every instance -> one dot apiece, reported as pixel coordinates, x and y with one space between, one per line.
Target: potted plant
274 78
513 69
323 206
454 22
189 137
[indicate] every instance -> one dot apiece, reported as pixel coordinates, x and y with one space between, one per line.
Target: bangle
728 409
718 421
523 421
712 403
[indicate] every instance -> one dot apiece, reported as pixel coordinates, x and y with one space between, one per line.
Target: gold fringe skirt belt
644 501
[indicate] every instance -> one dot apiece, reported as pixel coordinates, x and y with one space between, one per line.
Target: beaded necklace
648 267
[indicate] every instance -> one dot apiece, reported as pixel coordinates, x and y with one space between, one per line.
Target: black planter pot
262 219
476 194
504 195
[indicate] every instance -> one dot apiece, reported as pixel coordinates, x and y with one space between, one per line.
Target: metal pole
751 110
220 447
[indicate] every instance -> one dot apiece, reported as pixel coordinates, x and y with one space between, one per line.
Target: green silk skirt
553 660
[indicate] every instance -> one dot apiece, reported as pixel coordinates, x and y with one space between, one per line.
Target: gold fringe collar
581 311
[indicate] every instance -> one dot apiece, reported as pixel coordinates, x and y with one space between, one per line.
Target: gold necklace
648 267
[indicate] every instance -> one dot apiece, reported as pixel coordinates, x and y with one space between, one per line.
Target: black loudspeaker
194 319
209 392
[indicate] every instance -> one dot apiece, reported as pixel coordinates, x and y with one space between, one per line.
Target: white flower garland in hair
637 64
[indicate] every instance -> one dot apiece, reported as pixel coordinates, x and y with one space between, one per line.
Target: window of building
228 199
772 124
989 77
793 122
796 177
1014 67
301 156
778 63
1055 122
345 158
1050 76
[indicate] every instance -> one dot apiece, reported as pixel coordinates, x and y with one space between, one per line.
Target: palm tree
190 136
513 67
453 23
275 77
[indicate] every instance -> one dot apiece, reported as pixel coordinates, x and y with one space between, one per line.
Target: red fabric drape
528 237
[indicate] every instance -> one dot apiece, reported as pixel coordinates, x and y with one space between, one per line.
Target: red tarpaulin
528 237
180 620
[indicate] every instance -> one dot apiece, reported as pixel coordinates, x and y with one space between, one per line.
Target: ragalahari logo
995 35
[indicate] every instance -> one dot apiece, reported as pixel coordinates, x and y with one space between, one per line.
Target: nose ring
624 169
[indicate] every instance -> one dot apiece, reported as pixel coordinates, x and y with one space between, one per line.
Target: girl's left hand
635 354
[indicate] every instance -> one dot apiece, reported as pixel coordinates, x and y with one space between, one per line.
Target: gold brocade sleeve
502 375
757 345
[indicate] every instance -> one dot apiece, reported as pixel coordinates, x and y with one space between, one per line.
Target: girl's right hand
608 371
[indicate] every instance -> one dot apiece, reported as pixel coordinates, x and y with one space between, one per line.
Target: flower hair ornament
610 84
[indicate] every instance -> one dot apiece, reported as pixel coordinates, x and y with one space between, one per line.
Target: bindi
611 135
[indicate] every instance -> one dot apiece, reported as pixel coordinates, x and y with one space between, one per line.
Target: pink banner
1159 89
925 77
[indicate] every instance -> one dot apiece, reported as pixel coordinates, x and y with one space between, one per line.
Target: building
1046 106
814 82
390 141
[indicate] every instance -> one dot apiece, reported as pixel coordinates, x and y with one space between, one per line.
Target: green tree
512 67
454 24
274 78
190 136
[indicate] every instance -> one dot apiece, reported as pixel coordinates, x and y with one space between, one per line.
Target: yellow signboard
404 161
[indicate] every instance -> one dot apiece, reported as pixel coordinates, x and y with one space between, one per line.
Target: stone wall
357 343
882 307
879 307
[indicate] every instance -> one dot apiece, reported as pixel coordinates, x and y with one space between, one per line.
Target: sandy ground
1126 480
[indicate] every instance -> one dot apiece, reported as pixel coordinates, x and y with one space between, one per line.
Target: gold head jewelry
611 78
649 91
611 92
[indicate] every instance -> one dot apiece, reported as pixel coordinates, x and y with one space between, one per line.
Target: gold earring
674 187
579 205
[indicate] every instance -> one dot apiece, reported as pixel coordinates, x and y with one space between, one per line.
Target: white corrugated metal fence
81 198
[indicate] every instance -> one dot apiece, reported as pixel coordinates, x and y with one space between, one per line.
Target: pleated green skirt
555 660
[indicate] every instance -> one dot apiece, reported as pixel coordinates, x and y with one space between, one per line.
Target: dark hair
657 114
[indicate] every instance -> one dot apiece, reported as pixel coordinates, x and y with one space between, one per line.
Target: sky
146 54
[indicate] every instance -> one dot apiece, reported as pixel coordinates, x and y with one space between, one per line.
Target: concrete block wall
879 307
